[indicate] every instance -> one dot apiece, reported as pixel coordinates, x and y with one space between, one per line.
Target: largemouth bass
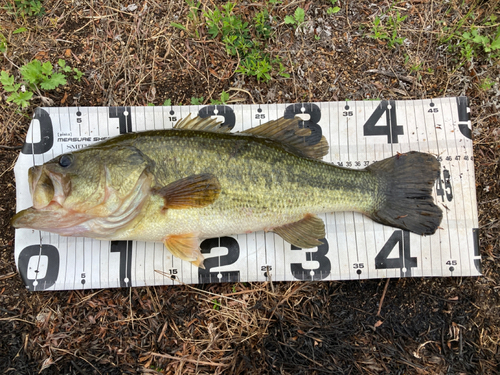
198 180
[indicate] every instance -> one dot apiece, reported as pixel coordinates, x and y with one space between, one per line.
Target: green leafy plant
19 95
486 84
3 43
167 102
388 32
41 75
67 69
193 17
197 101
333 9
224 97
35 76
244 41
297 19
472 40
23 8
20 30
216 304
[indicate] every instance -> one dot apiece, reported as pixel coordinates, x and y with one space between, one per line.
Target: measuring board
359 133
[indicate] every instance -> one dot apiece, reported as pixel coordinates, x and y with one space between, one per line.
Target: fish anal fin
207 124
185 247
288 131
305 233
194 191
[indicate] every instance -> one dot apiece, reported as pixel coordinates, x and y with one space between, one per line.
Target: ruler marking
451 239
453 106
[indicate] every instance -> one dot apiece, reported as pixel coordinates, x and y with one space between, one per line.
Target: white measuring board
359 133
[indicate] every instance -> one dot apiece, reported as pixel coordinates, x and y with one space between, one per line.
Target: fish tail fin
404 197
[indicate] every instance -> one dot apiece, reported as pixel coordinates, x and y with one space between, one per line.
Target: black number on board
172 118
319 273
124 118
391 129
347 113
464 116
125 250
314 113
358 265
26 267
233 253
405 262
433 110
444 186
260 116
219 110
46 134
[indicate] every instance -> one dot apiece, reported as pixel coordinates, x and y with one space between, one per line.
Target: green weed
297 19
25 8
333 9
194 9
67 69
3 43
197 101
216 304
473 41
245 41
389 31
486 84
35 76
224 97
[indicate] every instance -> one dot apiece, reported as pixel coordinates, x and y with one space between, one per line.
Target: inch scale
355 247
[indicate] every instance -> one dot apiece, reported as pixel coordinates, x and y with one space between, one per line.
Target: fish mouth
48 189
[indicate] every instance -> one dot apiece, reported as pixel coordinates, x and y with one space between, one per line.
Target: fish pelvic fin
208 124
289 132
185 247
198 190
305 233
404 198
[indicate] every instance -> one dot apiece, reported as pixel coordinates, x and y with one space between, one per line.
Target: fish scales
263 185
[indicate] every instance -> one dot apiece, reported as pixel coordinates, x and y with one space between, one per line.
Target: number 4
404 261
391 130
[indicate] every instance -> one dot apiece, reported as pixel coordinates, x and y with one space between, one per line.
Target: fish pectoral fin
305 233
185 247
288 131
208 124
198 191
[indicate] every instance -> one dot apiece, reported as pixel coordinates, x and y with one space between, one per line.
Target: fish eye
65 160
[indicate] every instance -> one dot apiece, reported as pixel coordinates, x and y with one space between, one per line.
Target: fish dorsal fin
288 132
208 124
198 190
305 233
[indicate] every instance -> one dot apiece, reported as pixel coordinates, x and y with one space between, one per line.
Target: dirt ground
132 55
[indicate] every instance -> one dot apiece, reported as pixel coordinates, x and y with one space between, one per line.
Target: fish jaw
53 218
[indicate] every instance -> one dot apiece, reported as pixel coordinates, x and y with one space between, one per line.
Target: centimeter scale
355 247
